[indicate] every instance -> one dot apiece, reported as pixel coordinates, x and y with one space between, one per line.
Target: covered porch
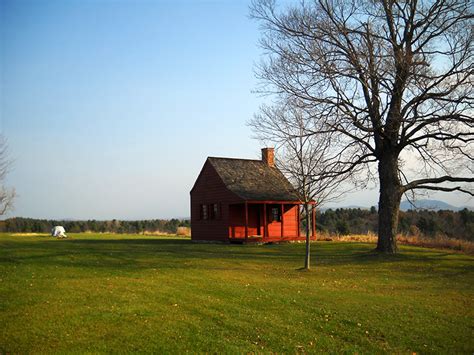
267 221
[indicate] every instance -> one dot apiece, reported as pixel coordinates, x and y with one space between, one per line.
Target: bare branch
387 81
422 183
7 196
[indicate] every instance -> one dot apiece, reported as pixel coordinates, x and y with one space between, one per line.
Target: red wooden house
241 200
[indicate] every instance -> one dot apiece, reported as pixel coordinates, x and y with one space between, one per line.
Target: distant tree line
341 221
426 223
32 225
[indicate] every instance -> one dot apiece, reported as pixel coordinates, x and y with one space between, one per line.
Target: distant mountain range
433 205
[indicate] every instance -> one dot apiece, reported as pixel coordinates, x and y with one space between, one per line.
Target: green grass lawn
124 293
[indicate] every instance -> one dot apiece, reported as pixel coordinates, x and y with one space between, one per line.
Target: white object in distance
59 232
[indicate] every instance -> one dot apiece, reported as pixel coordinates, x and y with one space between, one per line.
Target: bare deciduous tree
392 80
302 157
6 195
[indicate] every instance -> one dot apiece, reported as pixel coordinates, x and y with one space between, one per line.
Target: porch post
282 218
299 221
246 221
265 232
313 212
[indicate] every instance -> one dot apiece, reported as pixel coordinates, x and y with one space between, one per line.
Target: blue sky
111 107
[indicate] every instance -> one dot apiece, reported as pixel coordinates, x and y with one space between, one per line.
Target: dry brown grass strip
438 242
183 231
441 242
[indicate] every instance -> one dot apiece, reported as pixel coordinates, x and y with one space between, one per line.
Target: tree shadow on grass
145 253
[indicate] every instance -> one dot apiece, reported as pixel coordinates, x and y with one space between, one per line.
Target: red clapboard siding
210 189
237 221
291 224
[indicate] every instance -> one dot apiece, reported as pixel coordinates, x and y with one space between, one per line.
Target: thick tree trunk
308 228
389 203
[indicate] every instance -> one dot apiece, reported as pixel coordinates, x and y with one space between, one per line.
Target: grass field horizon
123 293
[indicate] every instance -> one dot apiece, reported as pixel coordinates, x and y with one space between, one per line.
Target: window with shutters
204 212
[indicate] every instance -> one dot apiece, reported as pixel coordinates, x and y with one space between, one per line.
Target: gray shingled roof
254 180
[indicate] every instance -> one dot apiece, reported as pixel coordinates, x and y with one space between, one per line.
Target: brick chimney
268 156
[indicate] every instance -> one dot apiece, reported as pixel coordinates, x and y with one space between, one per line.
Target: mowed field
128 293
